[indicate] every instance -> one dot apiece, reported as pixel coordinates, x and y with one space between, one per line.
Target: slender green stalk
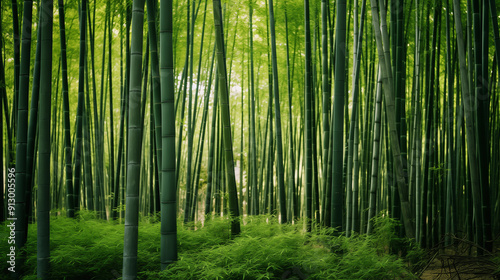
429 99
201 143
22 128
17 51
116 187
87 161
338 117
450 205
354 115
91 144
211 160
190 128
33 126
198 79
308 125
256 193
482 95
253 148
111 126
375 153
67 138
291 179
326 97
415 177
469 125
494 21
382 48
350 148
226 119
269 183
355 186
183 88
134 146
99 130
43 197
79 110
277 117
168 166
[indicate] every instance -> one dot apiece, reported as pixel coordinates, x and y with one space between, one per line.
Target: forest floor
461 262
90 248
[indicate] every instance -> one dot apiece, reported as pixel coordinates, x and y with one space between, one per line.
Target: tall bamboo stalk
168 165
308 125
22 128
134 150
469 125
326 94
375 153
386 72
338 115
291 164
211 160
226 119
253 206
33 126
43 197
277 118
70 200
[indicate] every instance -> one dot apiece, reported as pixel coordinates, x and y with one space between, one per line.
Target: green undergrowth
88 248
496 261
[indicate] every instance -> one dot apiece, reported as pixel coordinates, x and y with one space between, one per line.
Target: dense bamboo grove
325 113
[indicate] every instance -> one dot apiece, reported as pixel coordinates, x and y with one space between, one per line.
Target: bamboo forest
253 139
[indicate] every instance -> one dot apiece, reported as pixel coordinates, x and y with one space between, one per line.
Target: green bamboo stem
308 131
226 120
43 197
33 126
277 115
17 51
134 146
375 153
168 165
326 94
291 164
469 125
338 117
386 72
22 128
67 138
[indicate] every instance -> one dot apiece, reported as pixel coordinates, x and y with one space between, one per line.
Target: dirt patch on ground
459 262
460 267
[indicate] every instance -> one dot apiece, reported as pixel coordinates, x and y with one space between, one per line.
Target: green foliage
496 260
385 239
440 170
88 248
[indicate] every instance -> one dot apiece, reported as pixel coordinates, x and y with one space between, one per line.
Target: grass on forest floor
88 248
